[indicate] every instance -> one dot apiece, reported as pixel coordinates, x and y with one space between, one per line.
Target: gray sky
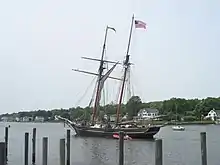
41 41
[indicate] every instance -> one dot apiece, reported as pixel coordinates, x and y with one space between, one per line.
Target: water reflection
106 151
99 150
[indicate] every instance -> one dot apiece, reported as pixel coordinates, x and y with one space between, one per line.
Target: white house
213 114
27 119
39 119
148 113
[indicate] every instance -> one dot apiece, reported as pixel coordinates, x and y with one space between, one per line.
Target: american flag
140 24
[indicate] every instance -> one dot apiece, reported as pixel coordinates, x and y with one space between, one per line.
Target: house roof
149 110
216 111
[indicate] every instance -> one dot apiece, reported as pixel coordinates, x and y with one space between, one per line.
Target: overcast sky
41 41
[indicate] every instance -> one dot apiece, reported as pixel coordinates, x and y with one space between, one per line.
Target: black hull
134 133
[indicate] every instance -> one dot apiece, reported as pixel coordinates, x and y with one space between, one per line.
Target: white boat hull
178 128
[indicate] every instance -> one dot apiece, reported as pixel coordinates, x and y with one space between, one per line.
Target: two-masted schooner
108 130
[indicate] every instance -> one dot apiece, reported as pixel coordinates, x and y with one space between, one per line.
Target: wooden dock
64 149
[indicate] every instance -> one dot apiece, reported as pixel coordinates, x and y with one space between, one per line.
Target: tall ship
96 128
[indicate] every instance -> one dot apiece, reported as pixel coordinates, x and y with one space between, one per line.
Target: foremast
126 68
101 78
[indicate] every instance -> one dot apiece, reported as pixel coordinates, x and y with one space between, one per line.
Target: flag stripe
140 24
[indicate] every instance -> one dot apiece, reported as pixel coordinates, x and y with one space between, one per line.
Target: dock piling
158 152
34 146
68 148
3 153
6 143
26 148
121 148
62 151
203 148
45 150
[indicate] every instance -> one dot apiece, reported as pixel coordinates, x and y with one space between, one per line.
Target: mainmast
126 66
100 72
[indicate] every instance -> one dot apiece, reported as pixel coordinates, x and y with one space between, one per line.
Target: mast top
129 41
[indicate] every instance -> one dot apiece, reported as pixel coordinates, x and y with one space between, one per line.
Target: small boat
126 137
178 128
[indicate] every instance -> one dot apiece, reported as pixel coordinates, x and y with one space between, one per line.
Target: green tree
133 105
190 109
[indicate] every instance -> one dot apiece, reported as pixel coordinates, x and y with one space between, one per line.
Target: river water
179 148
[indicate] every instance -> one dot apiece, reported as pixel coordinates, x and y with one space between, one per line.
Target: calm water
180 148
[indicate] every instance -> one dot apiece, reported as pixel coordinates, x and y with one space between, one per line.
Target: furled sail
103 79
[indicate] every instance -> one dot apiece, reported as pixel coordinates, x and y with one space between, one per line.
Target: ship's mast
100 72
126 66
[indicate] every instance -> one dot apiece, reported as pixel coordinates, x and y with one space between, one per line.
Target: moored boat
178 128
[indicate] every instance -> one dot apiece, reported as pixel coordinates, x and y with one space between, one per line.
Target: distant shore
205 122
195 123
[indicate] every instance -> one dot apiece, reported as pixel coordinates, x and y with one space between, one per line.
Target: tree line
190 109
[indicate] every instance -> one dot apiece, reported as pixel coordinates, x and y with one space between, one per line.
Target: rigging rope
93 95
132 86
135 86
77 103
120 83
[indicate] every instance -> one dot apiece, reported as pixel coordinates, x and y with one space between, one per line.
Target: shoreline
142 122
185 123
178 123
